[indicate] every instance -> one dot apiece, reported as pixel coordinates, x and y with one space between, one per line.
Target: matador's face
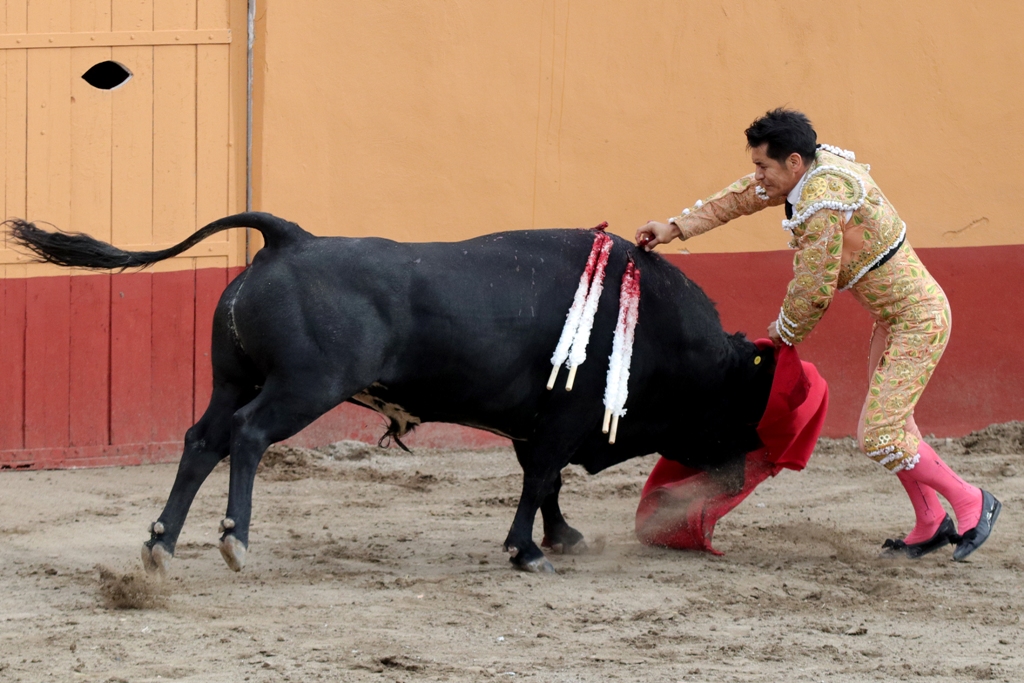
777 178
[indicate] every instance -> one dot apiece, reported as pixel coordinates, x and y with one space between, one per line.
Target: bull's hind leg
558 535
206 444
281 410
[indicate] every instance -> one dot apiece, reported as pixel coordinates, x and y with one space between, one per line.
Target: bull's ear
754 374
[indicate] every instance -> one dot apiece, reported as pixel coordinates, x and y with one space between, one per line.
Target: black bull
447 332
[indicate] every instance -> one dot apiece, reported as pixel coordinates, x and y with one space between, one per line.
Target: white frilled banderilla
572 345
579 321
617 385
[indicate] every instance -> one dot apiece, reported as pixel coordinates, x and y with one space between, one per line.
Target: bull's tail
82 251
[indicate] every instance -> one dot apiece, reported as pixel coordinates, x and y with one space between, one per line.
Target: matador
848 236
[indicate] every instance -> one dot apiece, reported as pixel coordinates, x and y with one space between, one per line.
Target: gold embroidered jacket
842 225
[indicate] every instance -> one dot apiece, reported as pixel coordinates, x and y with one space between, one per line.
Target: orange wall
442 119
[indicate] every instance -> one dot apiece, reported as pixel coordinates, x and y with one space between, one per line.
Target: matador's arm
739 199
815 275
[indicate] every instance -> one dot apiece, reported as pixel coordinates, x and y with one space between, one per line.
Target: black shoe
972 539
944 535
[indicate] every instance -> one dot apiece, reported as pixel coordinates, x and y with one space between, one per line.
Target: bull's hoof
156 558
580 547
539 565
565 541
233 552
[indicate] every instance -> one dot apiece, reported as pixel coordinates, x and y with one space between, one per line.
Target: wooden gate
123 119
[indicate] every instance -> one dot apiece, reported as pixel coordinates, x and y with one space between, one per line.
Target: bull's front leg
523 552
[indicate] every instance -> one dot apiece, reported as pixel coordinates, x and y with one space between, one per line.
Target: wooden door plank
3 135
238 19
47 361
48 186
213 149
132 149
91 117
48 16
212 14
131 15
91 147
17 16
90 360
16 21
48 168
132 124
3 145
15 109
174 126
213 123
174 296
180 14
174 142
131 347
12 362
90 15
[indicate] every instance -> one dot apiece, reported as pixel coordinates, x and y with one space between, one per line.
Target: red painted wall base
90 456
104 369
112 369
980 380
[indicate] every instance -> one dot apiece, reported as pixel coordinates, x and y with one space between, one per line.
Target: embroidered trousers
912 324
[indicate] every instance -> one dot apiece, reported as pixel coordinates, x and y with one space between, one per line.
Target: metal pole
251 36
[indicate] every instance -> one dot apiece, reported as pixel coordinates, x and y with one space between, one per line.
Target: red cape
679 506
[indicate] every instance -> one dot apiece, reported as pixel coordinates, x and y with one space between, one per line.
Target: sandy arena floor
373 565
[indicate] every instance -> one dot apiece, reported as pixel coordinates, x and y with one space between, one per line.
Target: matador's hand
655 233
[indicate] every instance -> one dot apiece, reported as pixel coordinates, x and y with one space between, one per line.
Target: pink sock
965 499
927 508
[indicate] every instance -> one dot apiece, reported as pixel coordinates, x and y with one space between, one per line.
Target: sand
378 565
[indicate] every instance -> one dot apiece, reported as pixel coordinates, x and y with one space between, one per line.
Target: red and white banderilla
617 384
572 345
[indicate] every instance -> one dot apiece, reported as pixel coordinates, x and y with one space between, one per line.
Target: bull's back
459 331
415 293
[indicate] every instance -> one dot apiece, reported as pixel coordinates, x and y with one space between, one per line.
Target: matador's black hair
786 131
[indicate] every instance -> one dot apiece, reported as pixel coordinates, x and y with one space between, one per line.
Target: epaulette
827 187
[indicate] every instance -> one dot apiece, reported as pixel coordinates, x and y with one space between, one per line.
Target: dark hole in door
107 75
